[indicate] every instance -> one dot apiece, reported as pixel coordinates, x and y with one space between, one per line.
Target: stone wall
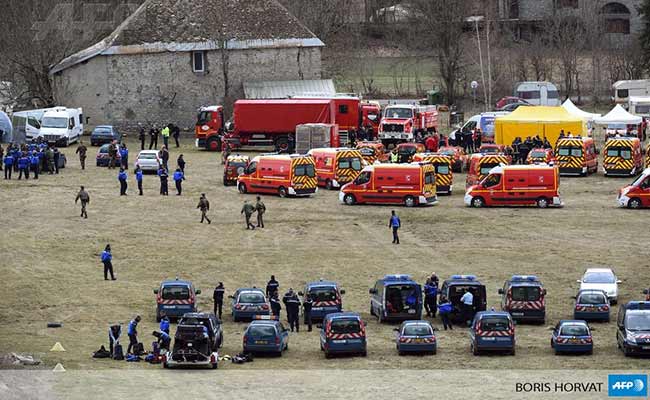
125 90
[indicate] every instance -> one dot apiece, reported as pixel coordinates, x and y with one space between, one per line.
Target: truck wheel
282 144
328 184
474 350
242 188
477 202
409 201
213 144
349 199
542 202
634 203
282 191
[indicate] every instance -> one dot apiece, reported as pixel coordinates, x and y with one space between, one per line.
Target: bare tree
567 37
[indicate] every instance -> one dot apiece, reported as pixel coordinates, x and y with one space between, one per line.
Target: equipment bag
102 353
138 349
118 352
132 358
155 350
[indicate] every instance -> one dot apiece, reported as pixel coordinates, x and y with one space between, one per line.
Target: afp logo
627 385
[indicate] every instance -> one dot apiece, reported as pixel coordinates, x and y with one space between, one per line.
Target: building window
198 61
567 3
617 18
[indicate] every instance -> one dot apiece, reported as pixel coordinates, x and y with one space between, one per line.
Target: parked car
247 303
148 160
601 279
191 349
211 322
266 335
103 159
104 134
592 305
504 101
416 336
572 336
513 106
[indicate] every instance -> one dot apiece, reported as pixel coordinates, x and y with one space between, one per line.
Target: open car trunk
191 344
402 300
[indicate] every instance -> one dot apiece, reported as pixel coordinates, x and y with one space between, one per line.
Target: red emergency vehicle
400 122
406 151
541 155
481 164
636 195
409 184
517 185
372 152
235 165
459 157
336 167
260 122
283 174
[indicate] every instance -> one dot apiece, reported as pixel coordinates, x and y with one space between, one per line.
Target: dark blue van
174 298
396 298
326 297
492 331
343 333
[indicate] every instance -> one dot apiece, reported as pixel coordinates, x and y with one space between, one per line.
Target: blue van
174 298
343 333
452 290
326 297
492 331
396 298
592 305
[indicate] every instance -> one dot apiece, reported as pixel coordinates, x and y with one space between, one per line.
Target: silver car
148 160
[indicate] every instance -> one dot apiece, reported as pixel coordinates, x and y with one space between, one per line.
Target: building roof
194 25
284 89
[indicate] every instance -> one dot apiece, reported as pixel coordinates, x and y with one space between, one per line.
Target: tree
441 22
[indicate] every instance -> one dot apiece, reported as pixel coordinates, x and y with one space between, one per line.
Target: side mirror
500 291
342 291
155 291
372 291
197 291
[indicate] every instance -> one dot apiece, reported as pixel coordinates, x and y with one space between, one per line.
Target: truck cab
396 298
400 122
633 328
523 296
326 297
637 194
452 289
62 126
174 298
209 128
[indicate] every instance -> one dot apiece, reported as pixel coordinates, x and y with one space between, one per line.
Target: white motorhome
639 106
538 93
623 90
62 126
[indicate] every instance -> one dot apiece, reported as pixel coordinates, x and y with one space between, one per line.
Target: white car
148 160
601 279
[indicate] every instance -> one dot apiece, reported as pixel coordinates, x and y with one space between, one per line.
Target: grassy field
51 270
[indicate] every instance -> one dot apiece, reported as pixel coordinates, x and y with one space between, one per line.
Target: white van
485 121
62 126
27 125
623 90
538 93
639 106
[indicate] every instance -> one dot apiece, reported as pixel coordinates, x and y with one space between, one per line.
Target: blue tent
6 127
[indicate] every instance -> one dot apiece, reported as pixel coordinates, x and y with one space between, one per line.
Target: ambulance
636 195
235 165
408 184
622 156
373 152
517 185
336 166
443 165
282 174
406 151
576 156
481 164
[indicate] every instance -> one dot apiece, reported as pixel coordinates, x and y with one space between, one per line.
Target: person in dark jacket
445 309
153 137
57 156
276 307
9 165
164 156
178 180
132 331
394 223
307 304
23 166
272 286
34 161
141 136
292 305
85 200
181 163
114 333
164 176
204 206
176 133
122 177
430 298
107 260
164 340
219 291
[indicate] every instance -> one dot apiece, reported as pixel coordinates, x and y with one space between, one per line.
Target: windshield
615 127
638 320
490 150
642 109
429 178
485 168
176 293
254 298
352 162
624 153
417 330
54 122
574 330
442 169
400 113
538 154
570 151
203 117
264 331
305 170
147 156
323 294
102 131
495 324
526 293
592 298
345 326
407 150
448 152
599 277
367 151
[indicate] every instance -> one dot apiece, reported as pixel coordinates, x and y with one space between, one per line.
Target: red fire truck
400 123
260 122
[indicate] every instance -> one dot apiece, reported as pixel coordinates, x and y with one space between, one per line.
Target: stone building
172 56
620 18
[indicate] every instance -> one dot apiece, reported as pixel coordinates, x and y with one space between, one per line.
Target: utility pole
476 19
489 60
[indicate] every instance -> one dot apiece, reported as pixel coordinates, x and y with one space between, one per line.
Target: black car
104 134
209 320
192 348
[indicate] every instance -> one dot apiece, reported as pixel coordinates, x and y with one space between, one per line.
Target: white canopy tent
574 110
617 116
